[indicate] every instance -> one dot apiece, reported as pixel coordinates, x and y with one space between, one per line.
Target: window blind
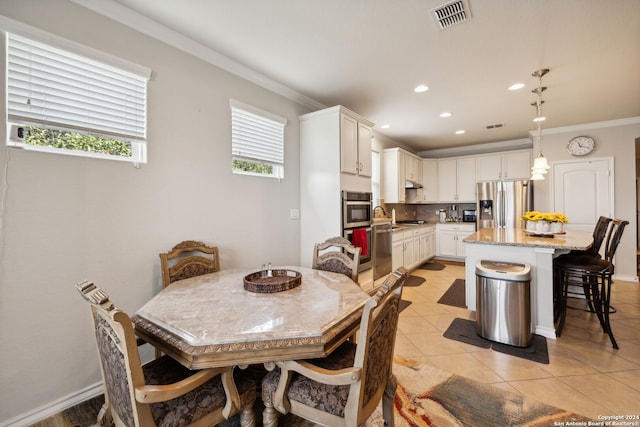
256 135
54 88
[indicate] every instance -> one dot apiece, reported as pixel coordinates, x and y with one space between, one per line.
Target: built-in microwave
356 209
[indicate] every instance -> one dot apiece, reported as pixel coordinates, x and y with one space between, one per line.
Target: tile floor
585 374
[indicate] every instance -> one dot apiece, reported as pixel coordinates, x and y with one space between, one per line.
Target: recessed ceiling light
460 132
385 126
421 88
446 114
516 86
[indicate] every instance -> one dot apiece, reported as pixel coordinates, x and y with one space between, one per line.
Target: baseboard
625 278
54 407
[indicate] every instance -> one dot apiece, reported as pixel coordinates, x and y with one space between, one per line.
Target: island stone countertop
571 240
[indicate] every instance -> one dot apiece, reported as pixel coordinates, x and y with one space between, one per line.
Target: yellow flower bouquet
536 216
544 222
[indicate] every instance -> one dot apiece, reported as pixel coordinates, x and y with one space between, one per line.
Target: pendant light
540 164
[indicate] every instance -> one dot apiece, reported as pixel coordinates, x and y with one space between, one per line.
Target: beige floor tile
415 325
615 396
405 348
466 365
434 343
548 390
509 367
630 378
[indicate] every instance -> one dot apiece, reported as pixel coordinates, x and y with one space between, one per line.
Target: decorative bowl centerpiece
277 281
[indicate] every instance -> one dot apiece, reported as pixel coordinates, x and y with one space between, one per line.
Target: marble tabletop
571 240
211 320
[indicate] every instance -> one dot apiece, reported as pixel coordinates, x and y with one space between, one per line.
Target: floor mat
464 330
454 295
414 281
432 265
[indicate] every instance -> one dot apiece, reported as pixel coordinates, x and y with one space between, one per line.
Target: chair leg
387 401
269 414
606 292
248 416
562 301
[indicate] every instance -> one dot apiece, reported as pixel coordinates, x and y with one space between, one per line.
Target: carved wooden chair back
188 259
337 254
346 387
161 392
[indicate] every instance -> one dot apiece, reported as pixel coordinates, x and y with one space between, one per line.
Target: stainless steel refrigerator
501 204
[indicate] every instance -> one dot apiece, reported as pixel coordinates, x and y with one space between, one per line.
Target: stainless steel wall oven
357 213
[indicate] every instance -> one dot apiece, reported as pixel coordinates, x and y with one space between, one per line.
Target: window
257 141
62 102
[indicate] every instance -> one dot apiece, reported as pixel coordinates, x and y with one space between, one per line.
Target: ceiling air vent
451 13
497 125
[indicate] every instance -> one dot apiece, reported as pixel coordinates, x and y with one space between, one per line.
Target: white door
583 191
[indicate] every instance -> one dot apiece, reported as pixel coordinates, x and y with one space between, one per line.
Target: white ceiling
368 55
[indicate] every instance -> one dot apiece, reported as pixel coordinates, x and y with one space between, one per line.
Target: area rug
464 330
428 396
413 281
432 265
455 295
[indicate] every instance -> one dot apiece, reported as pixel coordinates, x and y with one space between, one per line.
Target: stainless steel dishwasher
381 260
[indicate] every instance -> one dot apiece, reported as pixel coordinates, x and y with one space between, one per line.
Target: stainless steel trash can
503 302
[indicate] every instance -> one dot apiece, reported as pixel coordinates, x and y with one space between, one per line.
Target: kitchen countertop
518 237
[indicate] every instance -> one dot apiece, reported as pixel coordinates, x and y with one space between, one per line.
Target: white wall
67 219
613 139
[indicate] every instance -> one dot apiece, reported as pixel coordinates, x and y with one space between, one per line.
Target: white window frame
136 137
257 136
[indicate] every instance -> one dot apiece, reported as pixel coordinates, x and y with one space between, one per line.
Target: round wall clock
581 145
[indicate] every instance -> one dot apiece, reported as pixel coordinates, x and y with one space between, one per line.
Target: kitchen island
516 245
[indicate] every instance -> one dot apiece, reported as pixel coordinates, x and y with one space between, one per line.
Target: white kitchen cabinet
457 180
399 166
429 191
449 239
327 145
397 249
355 145
507 165
413 168
393 172
411 246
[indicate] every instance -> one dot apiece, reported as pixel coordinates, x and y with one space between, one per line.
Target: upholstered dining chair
337 254
595 275
188 259
344 388
161 392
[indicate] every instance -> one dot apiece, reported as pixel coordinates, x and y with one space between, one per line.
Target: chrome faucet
383 212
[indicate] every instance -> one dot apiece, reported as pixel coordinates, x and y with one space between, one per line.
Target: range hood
412 184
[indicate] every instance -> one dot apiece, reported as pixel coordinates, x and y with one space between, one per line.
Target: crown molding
485 148
588 126
151 28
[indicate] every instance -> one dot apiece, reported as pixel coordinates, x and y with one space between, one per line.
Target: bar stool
599 233
594 274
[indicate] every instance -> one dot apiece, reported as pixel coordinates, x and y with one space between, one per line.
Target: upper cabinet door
365 135
489 168
516 165
349 145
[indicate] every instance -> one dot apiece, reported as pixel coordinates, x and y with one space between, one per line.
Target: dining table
216 320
